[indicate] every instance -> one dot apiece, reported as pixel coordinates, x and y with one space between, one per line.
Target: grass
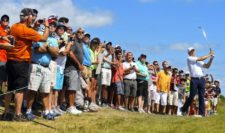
113 121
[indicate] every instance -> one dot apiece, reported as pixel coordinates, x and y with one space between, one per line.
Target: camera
12 40
40 21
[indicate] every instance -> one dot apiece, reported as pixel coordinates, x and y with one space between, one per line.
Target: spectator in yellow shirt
163 85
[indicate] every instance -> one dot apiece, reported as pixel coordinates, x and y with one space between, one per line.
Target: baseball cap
87 35
143 56
5 17
35 12
61 26
26 12
190 49
109 43
63 19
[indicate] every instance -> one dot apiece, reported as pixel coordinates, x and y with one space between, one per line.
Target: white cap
213 85
187 72
190 49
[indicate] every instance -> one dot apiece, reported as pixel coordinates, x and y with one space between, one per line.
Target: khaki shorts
173 98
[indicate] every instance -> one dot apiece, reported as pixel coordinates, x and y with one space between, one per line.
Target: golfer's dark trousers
197 86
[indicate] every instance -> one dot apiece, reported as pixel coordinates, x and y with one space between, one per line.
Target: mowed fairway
113 121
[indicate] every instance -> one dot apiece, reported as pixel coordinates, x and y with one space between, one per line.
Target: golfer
196 65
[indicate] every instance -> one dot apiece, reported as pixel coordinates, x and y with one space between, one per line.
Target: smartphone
12 40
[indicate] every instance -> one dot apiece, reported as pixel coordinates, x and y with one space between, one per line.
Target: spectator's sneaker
140 110
73 110
86 105
183 113
112 106
121 108
58 111
20 118
55 113
63 107
104 105
30 116
149 112
92 107
132 110
48 116
198 116
99 102
7 116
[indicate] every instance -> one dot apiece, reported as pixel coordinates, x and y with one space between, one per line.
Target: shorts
59 79
72 79
157 97
163 98
39 78
87 72
53 69
173 98
119 86
130 88
142 88
3 74
106 76
214 101
149 97
17 74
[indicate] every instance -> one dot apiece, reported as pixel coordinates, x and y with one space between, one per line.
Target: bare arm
209 63
206 56
6 46
54 51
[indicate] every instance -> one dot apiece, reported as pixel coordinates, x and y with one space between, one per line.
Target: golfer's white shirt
195 67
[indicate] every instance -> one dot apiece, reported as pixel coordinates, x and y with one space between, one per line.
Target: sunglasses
5 20
81 32
52 25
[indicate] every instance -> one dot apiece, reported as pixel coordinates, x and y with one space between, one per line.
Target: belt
130 79
197 78
44 65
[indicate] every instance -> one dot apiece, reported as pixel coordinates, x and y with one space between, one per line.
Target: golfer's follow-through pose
196 65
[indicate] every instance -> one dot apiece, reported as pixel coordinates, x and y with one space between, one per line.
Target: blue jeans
197 86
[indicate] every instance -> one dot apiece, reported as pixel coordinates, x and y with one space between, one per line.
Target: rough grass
113 121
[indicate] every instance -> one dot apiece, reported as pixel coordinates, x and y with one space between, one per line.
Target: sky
161 29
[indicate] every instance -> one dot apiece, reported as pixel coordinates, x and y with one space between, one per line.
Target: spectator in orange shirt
19 58
4 45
